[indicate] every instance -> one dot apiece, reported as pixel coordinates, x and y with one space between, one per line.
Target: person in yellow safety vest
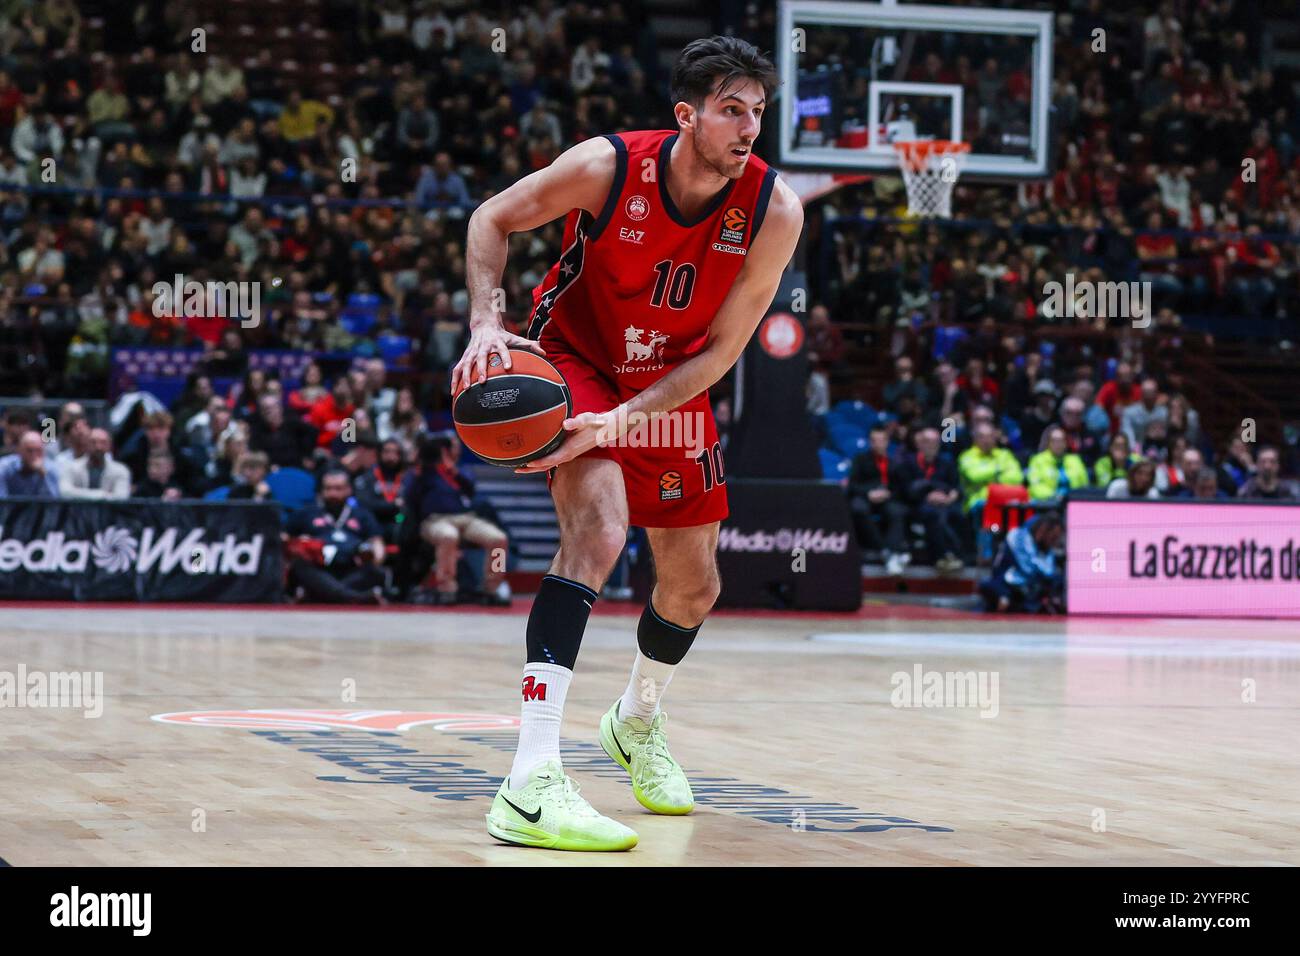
984 464
1055 469
1116 463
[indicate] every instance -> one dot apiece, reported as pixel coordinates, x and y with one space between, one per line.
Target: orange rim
915 153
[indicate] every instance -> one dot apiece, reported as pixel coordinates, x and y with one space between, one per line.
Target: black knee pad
558 620
662 641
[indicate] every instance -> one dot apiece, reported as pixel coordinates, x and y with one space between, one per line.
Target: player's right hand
483 341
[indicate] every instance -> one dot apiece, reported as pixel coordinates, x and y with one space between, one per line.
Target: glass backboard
857 76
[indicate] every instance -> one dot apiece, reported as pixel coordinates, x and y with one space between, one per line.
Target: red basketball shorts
674 474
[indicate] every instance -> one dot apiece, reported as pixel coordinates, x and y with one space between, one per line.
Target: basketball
517 414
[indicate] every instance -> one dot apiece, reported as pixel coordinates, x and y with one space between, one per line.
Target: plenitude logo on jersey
732 231
642 356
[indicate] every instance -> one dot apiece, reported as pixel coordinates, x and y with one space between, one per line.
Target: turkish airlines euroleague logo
670 485
734 221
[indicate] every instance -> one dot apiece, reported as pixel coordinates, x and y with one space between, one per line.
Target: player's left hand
585 432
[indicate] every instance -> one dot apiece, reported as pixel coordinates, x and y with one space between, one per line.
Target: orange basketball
516 414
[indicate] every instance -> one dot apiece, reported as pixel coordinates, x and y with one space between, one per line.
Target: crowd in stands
1176 163
919 471
351 180
395 488
342 185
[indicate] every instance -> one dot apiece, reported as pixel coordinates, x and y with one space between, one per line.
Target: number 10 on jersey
677 283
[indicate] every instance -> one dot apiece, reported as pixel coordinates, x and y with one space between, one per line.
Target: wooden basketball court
1090 741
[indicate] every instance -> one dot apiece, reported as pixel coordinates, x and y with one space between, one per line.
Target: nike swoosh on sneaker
626 756
530 817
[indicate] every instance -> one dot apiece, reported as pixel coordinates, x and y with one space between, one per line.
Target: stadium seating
292 487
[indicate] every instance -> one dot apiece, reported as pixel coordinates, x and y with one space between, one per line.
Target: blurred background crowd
332 151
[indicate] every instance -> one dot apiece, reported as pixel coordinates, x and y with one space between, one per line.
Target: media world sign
816 540
788 544
117 551
139 550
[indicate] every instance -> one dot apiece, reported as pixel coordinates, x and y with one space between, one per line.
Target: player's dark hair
718 62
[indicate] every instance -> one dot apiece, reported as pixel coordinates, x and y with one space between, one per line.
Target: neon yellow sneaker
548 812
640 748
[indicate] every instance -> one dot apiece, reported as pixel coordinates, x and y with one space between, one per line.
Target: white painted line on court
1111 645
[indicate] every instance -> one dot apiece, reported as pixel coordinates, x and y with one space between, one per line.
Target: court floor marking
451 632
757 802
1109 645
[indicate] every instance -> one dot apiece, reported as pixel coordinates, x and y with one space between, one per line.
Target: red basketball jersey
636 287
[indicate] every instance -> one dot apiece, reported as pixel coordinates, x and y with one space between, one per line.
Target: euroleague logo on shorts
637 208
670 485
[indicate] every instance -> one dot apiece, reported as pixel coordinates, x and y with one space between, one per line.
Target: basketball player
673 249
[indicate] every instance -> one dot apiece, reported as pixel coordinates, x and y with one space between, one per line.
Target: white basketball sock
544 689
646 686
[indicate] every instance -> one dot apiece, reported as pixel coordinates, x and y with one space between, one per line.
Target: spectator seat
847 439
859 414
292 487
835 467
999 518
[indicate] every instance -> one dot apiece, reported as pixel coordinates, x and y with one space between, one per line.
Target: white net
930 171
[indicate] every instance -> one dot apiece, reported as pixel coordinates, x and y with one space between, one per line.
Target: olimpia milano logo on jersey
116 550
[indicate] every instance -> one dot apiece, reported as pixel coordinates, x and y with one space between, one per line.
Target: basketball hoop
930 170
